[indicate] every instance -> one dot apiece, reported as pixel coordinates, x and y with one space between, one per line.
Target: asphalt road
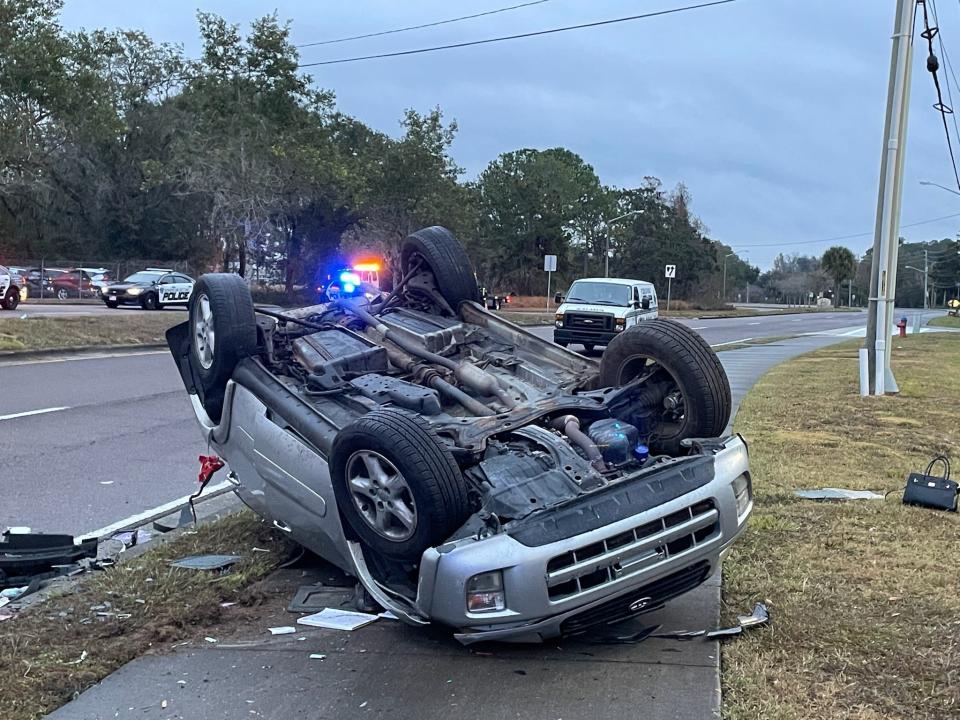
125 440
118 436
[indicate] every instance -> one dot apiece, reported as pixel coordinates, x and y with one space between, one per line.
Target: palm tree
841 264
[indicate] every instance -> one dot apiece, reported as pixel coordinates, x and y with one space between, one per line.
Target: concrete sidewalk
389 669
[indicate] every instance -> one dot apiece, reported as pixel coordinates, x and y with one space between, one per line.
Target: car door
167 289
184 288
634 313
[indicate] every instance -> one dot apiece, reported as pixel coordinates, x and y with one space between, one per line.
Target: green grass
949 321
42 333
39 647
863 594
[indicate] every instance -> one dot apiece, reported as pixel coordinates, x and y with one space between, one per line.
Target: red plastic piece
209 464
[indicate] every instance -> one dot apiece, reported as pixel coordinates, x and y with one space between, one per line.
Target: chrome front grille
619 556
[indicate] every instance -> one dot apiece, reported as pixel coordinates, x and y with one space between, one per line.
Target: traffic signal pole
883 272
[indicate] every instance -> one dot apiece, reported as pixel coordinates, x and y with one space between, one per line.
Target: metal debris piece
314 598
837 494
283 630
759 617
206 562
317 656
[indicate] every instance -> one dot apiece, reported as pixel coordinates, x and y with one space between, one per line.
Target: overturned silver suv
466 471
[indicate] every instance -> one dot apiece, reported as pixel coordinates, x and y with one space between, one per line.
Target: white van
595 310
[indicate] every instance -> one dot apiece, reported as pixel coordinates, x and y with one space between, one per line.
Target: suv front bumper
609 573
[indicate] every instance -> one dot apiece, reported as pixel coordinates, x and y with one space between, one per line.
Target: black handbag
932 491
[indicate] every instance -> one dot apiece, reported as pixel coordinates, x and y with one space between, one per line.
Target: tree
840 264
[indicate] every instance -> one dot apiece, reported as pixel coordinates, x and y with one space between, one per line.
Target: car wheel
62 293
692 384
149 301
398 488
113 304
437 249
11 300
223 331
589 348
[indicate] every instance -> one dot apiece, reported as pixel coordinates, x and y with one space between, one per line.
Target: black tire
150 301
449 262
11 300
430 475
690 362
63 294
588 348
234 325
112 304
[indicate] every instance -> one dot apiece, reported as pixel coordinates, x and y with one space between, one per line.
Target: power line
933 65
425 25
486 41
846 237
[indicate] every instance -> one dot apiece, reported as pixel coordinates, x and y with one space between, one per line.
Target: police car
151 289
11 289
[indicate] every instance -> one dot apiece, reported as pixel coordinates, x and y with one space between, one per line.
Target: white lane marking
28 413
157 512
701 327
797 320
753 323
733 342
72 358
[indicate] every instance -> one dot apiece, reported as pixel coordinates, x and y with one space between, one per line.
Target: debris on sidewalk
314 598
210 639
282 630
129 538
206 562
27 556
837 494
758 618
317 656
337 619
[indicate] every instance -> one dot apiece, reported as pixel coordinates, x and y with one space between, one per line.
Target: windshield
143 277
599 293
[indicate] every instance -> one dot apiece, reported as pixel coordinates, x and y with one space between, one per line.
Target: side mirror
558 299
645 303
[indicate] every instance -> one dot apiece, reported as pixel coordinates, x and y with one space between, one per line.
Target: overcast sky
771 111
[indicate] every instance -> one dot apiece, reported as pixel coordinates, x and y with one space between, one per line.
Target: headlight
619 324
743 492
134 291
485 593
558 320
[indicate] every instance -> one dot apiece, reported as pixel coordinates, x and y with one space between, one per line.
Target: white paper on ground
337 619
284 630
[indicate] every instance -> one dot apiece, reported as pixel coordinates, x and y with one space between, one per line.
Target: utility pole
875 362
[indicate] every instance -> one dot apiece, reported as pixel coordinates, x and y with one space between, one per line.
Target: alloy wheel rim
381 495
204 336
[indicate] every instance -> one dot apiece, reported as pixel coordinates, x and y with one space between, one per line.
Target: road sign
670 271
550 263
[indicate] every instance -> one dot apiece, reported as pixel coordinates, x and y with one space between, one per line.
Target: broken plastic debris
106 482
83 656
760 616
227 604
337 619
283 630
387 615
258 549
14 592
318 656
210 639
206 562
837 494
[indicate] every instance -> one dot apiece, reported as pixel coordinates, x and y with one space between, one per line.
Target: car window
182 279
140 277
600 293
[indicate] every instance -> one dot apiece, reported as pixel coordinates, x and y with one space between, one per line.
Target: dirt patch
862 594
39 648
42 333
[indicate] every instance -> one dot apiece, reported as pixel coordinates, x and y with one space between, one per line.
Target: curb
78 350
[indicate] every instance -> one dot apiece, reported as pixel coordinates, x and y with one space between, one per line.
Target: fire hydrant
902 324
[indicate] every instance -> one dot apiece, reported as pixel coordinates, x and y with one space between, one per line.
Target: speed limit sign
670 271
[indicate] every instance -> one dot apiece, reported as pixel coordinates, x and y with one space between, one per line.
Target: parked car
596 310
466 471
10 289
99 279
75 283
20 277
151 289
40 281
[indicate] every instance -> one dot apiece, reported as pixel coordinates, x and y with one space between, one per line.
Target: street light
606 224
924 273
942 187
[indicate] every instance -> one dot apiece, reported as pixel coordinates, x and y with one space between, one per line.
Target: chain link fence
81 279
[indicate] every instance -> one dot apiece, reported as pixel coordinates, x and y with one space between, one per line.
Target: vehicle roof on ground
614 281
